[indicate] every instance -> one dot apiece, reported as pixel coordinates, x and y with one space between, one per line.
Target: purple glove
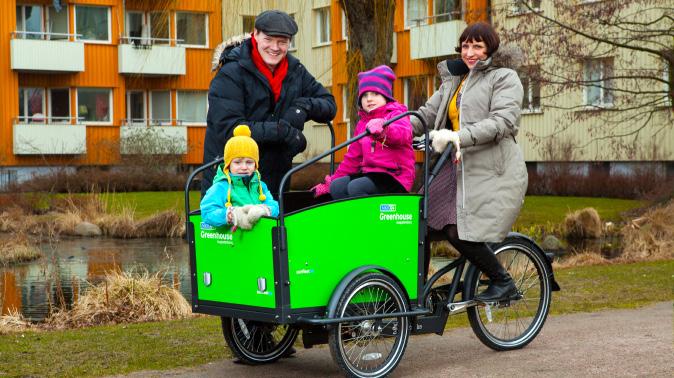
322 188
376 127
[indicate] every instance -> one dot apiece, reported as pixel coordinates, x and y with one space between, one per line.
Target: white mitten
253 214
240 218
441 138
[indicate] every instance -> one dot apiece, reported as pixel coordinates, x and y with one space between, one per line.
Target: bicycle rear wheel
512 324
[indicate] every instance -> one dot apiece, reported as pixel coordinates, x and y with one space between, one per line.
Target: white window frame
206 30
667 79
408 23
126 21
151 115
317 13
187 123
93 41
25 105
47 20
602 89
94 123
23 18
345 34
49 111
345 104
129 120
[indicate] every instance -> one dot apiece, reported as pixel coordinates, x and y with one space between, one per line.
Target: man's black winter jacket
240 94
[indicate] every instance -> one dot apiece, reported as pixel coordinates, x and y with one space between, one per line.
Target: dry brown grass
442 248
581 259
584 223
165 224
18 249
651 236
123 298
120 225
13 323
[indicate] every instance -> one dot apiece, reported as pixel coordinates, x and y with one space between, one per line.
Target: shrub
584 223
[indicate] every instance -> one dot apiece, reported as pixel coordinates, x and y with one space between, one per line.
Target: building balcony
435 40
147 57
51 136
46 55
137 138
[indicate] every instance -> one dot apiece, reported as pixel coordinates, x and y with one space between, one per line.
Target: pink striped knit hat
379 79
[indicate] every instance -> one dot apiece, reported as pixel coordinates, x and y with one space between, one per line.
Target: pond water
73 264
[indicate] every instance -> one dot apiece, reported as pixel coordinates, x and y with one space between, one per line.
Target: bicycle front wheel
512 324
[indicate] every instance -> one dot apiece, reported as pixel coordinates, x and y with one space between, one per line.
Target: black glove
295 117
295 141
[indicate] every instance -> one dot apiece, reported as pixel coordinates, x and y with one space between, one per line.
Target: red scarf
275 78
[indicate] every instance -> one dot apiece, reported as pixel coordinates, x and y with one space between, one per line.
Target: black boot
502 286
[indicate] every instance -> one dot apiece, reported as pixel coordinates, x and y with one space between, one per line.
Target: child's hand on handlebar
376 127
322 188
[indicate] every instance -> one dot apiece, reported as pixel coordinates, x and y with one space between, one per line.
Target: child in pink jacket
382 162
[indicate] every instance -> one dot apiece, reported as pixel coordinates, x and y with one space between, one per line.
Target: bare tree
618 54
370 33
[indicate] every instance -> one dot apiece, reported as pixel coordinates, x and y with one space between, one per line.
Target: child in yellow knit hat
238 196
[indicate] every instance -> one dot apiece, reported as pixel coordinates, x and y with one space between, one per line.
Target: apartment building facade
593 105
80 79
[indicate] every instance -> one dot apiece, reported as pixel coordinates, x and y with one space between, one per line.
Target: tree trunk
370 41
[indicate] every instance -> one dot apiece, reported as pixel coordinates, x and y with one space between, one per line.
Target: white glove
239 218
246 216
441 138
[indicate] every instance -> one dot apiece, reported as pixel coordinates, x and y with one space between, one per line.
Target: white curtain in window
58 22
415 9
160 107
192 106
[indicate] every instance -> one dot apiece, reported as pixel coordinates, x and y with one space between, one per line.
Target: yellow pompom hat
241 145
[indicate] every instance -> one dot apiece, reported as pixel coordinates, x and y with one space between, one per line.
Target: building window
59 105
416 12
416 91
596 74
29 21
94 105
520 6
322 18
57 22
345 103
135 107
192 106
135 27
7 177
293 45
192 29
446 10
531 102
345 26
247 23
92 23
160 27
31 105
160 108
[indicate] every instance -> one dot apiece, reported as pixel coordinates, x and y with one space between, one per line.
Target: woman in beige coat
477 199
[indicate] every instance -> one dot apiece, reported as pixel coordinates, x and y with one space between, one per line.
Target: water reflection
72 265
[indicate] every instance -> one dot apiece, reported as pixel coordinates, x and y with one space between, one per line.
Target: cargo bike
352 274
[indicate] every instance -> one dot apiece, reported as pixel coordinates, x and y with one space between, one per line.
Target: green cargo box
246 274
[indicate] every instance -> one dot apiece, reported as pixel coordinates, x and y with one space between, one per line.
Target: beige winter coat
492 178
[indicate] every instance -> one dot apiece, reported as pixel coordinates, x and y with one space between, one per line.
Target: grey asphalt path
618 343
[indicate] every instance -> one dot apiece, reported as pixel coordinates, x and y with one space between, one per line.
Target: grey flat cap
276 23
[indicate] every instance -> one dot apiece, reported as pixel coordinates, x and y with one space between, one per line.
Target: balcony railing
436 39
38 135
151 56
47 52
140 122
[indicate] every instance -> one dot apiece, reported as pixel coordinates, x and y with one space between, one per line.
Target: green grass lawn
121 349
537 210
541 210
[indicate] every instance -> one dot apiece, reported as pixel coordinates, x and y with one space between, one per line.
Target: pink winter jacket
395 156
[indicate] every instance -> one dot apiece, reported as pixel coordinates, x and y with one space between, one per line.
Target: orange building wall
101 70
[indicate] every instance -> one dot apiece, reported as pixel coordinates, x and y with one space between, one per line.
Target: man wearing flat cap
260 85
